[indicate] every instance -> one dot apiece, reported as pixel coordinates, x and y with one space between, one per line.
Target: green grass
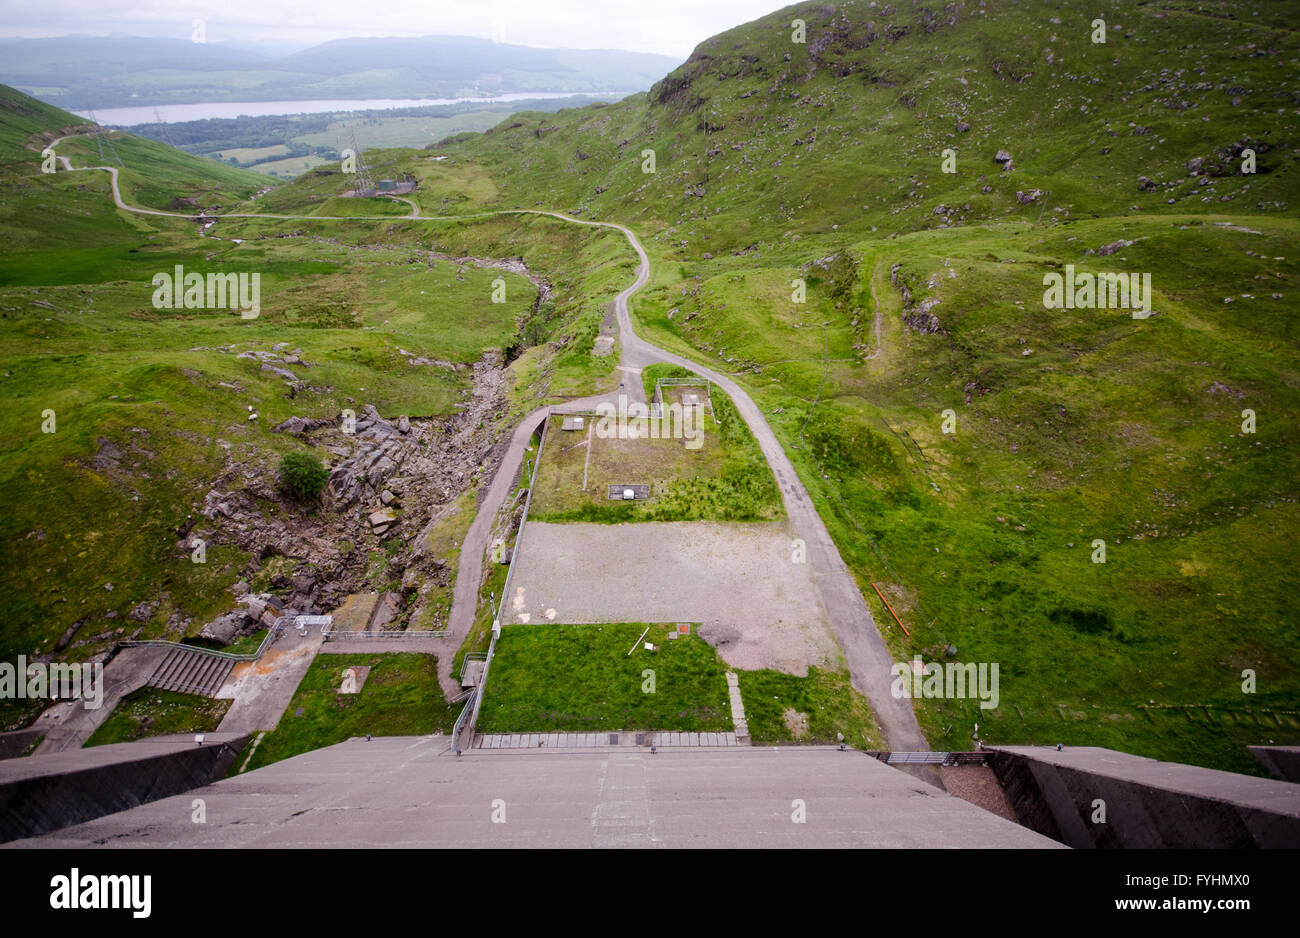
823 167
401 697
580 678
826 700
248 644
152 712
155 175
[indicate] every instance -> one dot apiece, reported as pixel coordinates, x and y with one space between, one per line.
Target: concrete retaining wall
1147 803
43 793
16 742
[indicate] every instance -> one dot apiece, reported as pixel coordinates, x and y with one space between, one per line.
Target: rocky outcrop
381 450
918 317
390 480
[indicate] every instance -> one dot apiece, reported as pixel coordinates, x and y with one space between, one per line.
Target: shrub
302 476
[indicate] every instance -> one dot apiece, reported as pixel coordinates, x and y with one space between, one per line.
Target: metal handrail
342 636
472 656
271 634
464 714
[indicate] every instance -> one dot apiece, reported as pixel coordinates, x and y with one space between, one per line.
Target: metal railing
929 758
661 383
472 656
482 682
470 705
271 635
342 636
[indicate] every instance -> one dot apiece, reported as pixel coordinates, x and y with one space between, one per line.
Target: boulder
299 425
383 518
385 614
224 628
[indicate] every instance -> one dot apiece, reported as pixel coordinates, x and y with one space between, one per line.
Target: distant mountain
79 72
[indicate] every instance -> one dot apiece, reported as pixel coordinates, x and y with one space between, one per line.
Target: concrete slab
731 577
411 792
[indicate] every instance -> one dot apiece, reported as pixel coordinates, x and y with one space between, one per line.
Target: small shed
574 423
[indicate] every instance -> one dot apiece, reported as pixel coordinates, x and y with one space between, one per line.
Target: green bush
302 476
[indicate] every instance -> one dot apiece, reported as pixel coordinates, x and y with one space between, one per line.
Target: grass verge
152 712
401 697
781 708
580 678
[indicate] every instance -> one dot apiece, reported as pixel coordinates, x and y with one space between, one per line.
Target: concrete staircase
191 672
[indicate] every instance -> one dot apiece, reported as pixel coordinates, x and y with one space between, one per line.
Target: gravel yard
757 606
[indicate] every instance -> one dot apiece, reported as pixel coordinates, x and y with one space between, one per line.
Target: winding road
865 652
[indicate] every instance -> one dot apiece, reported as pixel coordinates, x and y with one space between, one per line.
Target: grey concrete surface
14 743
44 793
262 689
412 792
69 724
1147 803
736 576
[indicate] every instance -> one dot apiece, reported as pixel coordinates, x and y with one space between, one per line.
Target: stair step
191 672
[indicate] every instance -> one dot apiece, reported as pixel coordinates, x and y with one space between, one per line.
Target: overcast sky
672 27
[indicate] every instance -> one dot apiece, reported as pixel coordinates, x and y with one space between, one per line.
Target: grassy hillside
152 405
759 139
822 162
779 163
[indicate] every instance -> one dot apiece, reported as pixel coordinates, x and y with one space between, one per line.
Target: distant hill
150 173
98 72
24 122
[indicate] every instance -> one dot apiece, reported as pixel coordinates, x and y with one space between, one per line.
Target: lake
176 113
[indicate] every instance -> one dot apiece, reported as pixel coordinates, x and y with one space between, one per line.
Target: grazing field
580 678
